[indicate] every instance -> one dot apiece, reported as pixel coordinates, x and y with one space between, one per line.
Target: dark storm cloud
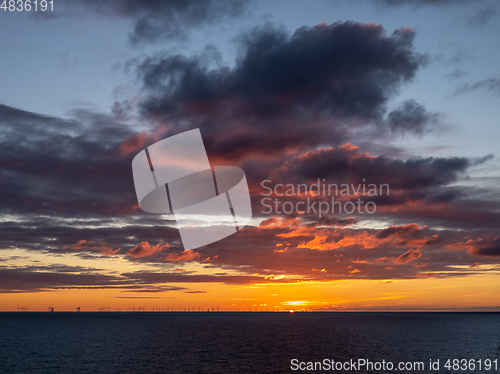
64 167
483 247
348 164
346 68
490 249
468 214
287 89
67 188
156 20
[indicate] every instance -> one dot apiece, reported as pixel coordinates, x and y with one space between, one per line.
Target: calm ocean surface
175 342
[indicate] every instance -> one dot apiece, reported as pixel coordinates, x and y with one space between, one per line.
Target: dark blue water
239 342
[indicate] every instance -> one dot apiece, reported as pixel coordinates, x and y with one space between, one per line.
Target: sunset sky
384 92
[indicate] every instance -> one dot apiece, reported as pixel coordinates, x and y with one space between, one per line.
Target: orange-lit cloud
188 255
408 256
144 249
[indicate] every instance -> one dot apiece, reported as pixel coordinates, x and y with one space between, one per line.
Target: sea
248 342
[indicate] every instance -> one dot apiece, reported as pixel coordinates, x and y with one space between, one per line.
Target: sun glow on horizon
467 293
